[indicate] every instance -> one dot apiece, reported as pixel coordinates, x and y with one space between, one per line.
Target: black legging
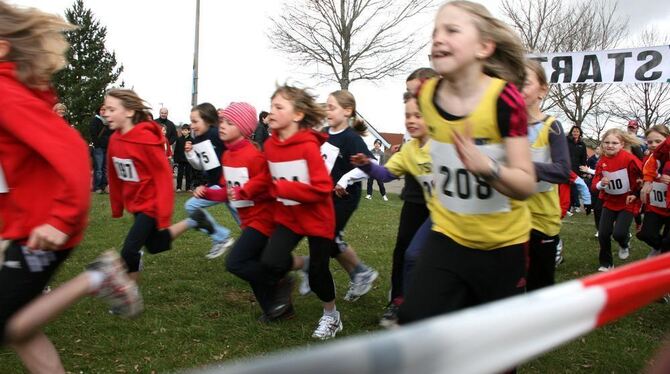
614 224
412 217
651 232
541 260
382 189
143 232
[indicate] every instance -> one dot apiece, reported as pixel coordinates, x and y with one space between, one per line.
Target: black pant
23 276
184 169
655 231
244 261
541 260
382 189
613 224
143 232
278 261
450 277
574 195
597 207
344 209
412 217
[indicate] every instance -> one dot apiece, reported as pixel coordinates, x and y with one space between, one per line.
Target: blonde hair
37 43
627 139
538 70
59 106
303 102
507 61
661 129
347 101
131 101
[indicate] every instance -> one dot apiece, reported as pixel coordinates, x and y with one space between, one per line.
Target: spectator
184 169
577 150
170 128
378 152
637 150
100 133
261 133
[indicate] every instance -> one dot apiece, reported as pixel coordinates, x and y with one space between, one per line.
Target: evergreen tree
91 68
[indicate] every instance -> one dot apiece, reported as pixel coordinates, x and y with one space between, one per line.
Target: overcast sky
154 40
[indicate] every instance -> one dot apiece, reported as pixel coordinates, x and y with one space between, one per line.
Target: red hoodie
624 170
44 162
140 178
302 184
245 166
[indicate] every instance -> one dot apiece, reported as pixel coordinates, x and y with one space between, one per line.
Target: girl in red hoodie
44 197
302 187
616 178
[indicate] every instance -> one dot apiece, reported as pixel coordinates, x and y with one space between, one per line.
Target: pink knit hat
243 116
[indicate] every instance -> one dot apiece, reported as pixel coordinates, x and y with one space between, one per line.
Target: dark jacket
179 155
577 150
261 134
99 132
170 129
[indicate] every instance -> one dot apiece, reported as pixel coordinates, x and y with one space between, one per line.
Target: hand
584 169
664 179
472 158
188 147
199 192
630 199
395 148
605 182
646 189
359 159
234 193
46 237
340 191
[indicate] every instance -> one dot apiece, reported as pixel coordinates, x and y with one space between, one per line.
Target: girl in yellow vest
482 166
551 157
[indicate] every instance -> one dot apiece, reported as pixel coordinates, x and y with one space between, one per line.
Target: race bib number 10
292 171
460 191
237 177
125 169
3 182
206 154
657 194
618 184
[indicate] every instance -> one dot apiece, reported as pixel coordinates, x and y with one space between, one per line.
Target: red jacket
652 170
622 163
140 178
44 161
245 156
306 207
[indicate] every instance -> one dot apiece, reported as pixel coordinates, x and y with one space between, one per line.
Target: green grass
197 313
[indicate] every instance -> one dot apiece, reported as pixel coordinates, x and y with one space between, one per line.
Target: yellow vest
413 159
464 207
545 207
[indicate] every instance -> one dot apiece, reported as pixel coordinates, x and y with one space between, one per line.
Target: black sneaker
289 313
390 316
203 223
282 297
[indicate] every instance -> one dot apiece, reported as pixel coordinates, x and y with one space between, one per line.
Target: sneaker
605 269
304 288
390 316
219 249
568 213
665 299
289 313
369 197
361 284
576 210
654 253
385 198
328 327
624 252
559 253
119 291
202 222
46 290
559 260
282 298
596 235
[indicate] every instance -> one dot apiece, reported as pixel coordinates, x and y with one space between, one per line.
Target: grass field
198 314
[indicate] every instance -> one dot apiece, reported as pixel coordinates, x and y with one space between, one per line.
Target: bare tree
648 103
554 25
599 121
355 39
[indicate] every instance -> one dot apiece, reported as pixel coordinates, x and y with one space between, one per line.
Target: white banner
631 65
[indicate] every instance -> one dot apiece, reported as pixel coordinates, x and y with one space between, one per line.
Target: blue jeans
221 234
584 194
414 250
100 168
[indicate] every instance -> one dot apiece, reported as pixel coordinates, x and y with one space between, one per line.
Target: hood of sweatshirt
302 136
8 70
148 132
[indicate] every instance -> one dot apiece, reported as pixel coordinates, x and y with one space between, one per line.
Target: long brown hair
131 101
347 101
303 102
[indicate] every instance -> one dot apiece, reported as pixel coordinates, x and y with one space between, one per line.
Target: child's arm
115 185
557 171
258 186
161 174
650 169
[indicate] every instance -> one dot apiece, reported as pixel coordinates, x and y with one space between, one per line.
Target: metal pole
194 94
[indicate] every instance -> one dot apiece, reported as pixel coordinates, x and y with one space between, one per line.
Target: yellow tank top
415 160
464 207
545 207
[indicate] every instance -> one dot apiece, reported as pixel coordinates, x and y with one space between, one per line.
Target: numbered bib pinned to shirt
206 154
329 154
460 191
657 195
125 169
292 171
427 183
619 183
237 177
544 156
3 182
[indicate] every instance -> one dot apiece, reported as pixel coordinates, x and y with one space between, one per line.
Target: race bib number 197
125 169
3 183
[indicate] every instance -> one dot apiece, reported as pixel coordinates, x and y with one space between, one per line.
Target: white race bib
206 154
460 191
329 154
292 171
544 156
657 194
619 184
125 169
427 183
3 182
237 177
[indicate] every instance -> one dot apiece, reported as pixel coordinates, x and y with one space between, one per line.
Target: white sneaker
219 249
117 289
605 269
369 197
577 210
304 287
568 213
385 198
328 327
361 284
624 252
596 235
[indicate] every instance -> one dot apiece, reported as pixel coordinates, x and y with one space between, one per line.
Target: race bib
329 154
427 183
290 170
460 191
619 184
3 182
125 169
542 155
237 177
206 154
657 194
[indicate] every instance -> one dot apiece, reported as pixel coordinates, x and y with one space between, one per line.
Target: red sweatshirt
45 164
657 199
140 178
246 169
623 170
302 184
